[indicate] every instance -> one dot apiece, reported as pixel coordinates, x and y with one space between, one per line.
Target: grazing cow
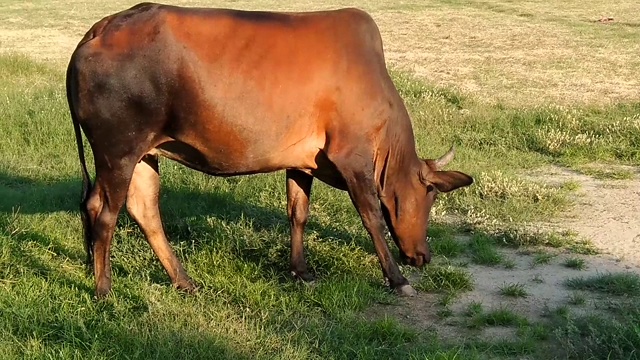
231 92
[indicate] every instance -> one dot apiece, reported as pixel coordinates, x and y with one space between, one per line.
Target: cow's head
407 210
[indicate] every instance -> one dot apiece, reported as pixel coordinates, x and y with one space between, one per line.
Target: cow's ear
444 181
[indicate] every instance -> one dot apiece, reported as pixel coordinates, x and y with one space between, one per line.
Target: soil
607 212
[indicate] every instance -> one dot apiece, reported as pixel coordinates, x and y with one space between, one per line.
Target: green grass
577 298
232 235
517 236
610 283
607 174
515 290
575 263
496 317
483 251
542 258
599 335
444 244
445 278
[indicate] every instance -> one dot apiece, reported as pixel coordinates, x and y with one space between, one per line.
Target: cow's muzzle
419 260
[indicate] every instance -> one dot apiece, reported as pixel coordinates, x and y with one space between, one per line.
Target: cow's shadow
183 209
30 196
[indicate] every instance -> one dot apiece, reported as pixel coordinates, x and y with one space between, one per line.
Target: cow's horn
443 160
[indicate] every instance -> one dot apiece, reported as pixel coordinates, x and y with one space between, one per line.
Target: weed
610 283
446 246
535 331
473 309
537 278
571 186
483 251
447 299
445 278
607 174
600 336
444 313
577 299
542 258
516 290
497 317
576 263
509 264
503 348
521 237
583 247
561 311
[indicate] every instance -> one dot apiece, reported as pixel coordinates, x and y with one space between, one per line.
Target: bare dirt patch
544 285
607 213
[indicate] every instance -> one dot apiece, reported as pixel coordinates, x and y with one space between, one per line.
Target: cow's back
240 91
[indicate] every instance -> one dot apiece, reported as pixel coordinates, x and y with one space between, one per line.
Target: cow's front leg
298 192
362 190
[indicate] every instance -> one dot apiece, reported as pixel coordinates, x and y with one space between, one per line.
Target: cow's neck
398 163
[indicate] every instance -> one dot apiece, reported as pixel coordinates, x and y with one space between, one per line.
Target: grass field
515 85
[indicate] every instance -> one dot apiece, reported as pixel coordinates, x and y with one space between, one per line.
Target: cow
229 92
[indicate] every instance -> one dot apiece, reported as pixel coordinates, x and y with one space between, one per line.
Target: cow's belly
224 161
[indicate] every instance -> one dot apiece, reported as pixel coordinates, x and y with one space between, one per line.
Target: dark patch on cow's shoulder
137 9
136 13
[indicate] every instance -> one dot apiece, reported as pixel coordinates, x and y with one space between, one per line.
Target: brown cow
231 92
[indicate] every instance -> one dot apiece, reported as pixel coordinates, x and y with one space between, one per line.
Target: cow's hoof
406 290
186 286
101 292
303 276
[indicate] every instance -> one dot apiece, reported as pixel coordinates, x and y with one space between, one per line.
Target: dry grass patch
514 53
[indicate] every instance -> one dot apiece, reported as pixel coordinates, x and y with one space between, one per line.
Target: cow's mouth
419 260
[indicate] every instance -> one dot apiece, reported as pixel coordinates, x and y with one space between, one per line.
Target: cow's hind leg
90 208
142 205
103 206
298 192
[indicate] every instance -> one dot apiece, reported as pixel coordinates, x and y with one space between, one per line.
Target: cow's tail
72 90
86 180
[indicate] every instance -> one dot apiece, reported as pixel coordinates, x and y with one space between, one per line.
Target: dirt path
544 285
607 212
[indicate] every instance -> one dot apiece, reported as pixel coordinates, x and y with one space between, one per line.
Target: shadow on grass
30 196
19 250
23 195
122 329
93 333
